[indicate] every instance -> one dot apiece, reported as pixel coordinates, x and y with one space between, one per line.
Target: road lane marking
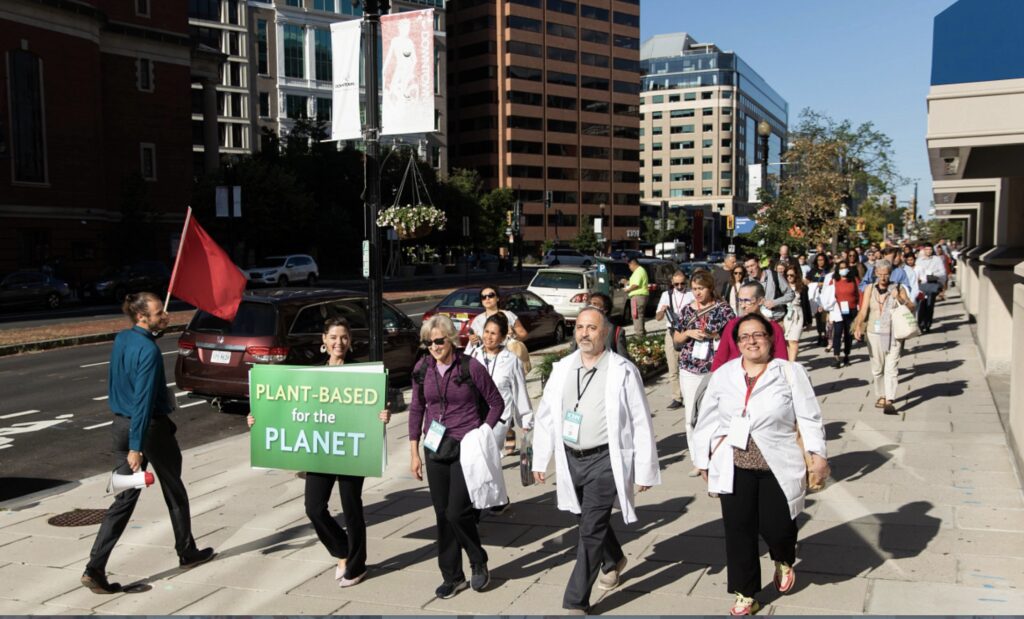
101 398
170 384
92 365
180 393
99 425
193 404
21 414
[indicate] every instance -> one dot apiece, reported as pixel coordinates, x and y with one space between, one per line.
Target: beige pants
672 357
688 382
638 309
885 365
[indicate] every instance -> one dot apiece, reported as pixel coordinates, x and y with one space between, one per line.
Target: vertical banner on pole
345 122
407 105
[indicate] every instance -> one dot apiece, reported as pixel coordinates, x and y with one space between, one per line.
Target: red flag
204 274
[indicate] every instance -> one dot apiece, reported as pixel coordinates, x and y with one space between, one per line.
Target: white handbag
904 323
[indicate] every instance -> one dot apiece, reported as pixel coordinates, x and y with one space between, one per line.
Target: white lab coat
774 407
827 300
481 467
631 445
507 373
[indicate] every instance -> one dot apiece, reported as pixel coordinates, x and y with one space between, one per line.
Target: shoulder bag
904 323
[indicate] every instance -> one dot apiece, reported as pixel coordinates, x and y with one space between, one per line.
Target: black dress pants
456 518
756 506
161 450
842 333
598 548
350 543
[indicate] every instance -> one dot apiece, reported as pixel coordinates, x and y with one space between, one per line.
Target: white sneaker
609 580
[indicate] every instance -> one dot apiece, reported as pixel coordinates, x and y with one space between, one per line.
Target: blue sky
865 60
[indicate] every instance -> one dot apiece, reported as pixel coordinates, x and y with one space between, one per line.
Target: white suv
283 270
567 257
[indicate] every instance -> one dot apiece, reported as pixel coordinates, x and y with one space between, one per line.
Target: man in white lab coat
594 419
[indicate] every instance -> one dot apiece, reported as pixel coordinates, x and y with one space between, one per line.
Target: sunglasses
678 284
739 272
489 295
440 341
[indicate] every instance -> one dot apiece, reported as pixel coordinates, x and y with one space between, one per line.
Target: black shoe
449 589
837 364
674 405
846 360
196 557
98 583
889 409
481 578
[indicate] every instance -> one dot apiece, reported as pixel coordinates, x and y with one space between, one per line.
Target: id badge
844 307
433 438
700 349
571 427
878 326
739 432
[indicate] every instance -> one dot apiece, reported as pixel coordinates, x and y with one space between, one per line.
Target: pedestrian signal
730 222
890 228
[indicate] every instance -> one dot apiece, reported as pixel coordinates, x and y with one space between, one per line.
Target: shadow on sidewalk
931 392
932 347
840 385
854 465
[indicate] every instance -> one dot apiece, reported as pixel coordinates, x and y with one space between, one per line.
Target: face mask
844 272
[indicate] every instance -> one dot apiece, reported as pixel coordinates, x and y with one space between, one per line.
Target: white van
672 250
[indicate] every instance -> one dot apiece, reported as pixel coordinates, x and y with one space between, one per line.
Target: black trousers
456 518
926 307
756 506
842 333
820 321
161 450
350 543
598 548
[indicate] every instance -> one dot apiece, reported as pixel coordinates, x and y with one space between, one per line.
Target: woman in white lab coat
745 444
506 370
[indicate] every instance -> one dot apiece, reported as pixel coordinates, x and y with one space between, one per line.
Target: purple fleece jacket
460 416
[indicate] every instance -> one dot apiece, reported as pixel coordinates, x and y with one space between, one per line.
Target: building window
562 6
295 106
594 36
142 8
655 115
707 143
523 23
564 79
560 30
323 109
322 51
689 96
144 74
147 153
526 49
297 3
726 126
726 158
673 98
726 111
627 19
261 47
28 131
628 88
264 105
294 46
233 14
324 5
592 12
594 60
564 55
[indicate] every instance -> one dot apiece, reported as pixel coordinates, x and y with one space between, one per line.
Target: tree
490 223
677 224
586 240
951 229
877 215
829 163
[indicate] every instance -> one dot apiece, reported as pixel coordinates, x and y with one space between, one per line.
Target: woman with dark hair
347 545
730 292
844 291
506 370
698 328
745 445
815 280
793 322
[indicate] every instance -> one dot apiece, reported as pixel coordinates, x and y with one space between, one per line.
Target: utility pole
664 221
372 10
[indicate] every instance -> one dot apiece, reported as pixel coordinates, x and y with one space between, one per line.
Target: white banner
753 183
407 105
345 122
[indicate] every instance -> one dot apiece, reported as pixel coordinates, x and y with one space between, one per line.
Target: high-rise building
222 26
291 62
699 112
544 97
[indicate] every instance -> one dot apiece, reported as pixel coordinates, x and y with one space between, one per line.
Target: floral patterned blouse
713 321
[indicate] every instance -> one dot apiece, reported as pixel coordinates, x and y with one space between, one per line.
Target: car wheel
586 263
311 280
282 281
559 333
53 300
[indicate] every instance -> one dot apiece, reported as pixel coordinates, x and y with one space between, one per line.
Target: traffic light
730 222
892 202
861 226
890 228
508 218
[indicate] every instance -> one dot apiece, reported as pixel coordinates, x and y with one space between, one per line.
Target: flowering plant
412 221
647 352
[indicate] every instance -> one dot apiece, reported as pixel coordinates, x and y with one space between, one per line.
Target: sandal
744 606
785 577
880 403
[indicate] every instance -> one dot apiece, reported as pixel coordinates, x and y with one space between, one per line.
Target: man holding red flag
204 275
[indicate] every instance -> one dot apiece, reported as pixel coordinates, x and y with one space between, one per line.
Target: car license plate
220 356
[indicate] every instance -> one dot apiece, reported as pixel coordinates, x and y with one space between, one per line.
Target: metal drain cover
78 518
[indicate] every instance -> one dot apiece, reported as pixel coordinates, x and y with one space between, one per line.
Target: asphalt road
54 419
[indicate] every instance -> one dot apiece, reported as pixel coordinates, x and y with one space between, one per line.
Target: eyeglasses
489 295
435 342
739 272
746 301
756 335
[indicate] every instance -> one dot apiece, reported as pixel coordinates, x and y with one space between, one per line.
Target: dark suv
283 326
115 283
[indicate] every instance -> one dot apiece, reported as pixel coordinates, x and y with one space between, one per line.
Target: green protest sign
319 419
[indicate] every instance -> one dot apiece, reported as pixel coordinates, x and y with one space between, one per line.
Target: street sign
731 249
366 258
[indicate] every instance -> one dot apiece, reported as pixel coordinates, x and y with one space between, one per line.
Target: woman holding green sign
452 395
347 545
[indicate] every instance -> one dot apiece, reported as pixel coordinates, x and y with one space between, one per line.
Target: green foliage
876 216
677 224
951 229
488 228
547 362
586 240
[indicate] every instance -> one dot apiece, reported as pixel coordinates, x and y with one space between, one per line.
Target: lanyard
750 389
881 300
580 392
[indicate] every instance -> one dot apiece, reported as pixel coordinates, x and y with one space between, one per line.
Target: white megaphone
120 483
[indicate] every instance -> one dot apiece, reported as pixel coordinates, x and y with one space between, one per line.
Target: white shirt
679 301
477 326
506 370
930 266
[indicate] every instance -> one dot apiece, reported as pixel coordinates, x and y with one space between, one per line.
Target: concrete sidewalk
924 515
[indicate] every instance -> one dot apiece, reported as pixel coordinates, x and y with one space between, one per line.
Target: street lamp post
763 131
372 10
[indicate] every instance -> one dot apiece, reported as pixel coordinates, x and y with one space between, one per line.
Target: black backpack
419 377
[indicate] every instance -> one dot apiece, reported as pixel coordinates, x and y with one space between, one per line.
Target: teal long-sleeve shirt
138 386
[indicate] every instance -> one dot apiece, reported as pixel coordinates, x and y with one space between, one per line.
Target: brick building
95 148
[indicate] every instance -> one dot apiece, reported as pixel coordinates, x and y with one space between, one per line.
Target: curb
78 340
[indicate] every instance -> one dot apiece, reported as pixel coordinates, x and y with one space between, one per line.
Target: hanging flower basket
411 222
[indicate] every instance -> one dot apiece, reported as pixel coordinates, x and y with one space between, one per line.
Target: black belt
583 453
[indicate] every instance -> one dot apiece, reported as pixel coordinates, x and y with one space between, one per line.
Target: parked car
539 318
659 279
626 254
690 267
283 270
114 284
283 326
568 289
31 288
716 257
560 256
617 270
